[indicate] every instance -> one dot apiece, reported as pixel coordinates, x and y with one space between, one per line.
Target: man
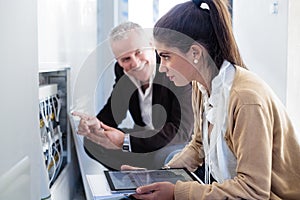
161 112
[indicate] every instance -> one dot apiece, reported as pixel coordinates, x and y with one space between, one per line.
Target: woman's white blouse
219 159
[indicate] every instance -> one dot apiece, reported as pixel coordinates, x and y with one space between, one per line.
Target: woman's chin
179 84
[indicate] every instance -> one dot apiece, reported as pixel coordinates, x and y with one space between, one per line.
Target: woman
242 132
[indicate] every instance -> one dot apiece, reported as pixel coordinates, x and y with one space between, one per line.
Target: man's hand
87 124
115 137
161 190
98 132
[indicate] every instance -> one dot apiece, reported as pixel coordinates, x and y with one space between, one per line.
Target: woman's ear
196 51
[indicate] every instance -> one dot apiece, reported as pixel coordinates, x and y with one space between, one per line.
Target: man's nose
134 62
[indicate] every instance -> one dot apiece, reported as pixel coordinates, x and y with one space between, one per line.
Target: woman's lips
171 77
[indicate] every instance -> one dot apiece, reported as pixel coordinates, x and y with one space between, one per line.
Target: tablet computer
128 181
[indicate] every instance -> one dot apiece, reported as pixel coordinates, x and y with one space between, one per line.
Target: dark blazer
172 114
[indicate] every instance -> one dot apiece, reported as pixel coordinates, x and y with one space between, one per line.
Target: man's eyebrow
124 58
124 54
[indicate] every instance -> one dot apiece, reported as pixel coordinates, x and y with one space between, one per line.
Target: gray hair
120 32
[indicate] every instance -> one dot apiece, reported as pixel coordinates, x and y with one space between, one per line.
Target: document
100 188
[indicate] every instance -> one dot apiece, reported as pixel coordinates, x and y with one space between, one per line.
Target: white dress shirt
145 99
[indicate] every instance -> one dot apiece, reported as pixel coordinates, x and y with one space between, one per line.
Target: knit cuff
182 190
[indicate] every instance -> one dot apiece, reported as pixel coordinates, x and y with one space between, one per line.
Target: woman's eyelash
166 57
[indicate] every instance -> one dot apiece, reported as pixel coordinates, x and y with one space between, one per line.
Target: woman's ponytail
221 22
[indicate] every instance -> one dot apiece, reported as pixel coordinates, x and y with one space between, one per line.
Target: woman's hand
161 191
129 167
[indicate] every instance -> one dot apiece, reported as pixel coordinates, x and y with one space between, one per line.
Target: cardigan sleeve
252 144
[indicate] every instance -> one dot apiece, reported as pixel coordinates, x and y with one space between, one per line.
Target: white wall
144 17
67 33
75 33
110 13
267 33
20 140
155 9
35 32
262 39
293 70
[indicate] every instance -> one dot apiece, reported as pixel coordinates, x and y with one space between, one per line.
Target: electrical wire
56 110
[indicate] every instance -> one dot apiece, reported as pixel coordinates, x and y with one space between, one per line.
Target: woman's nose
162 68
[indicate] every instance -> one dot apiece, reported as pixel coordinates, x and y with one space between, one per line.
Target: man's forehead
130 44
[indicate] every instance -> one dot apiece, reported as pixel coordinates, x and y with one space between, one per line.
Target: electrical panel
54 125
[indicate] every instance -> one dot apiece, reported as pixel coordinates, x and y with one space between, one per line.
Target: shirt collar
222 81
137 83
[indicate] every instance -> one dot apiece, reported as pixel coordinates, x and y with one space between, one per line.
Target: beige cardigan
262 138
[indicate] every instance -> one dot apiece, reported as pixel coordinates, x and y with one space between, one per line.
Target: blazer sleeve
107 114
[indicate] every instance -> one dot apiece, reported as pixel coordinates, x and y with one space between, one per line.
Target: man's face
135 55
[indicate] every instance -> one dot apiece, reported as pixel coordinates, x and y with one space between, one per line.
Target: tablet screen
128 181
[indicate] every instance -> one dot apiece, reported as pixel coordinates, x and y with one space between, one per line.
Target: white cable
54 151
56 116
47 116
46 108
59 161
44 114
49 109
54 170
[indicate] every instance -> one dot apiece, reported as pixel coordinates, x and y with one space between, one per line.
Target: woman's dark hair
210 27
